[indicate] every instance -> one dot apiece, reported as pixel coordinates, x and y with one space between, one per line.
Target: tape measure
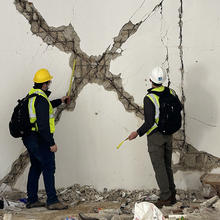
121 143
71 80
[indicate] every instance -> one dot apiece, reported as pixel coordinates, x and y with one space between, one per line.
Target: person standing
159 144
40 142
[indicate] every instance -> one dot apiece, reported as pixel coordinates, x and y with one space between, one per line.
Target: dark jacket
149 116
42 114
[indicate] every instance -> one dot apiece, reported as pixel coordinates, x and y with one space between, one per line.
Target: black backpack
20 124
170 119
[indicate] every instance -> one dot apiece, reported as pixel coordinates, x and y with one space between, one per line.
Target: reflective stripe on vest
32 110
155 99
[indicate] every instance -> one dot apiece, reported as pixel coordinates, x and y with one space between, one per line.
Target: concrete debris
90 217
77 194
174 217
105 216
213 180
7 217
210 202
217 205
14 195
190 203
4 188
192 159
152 197
17 169
208 191
13 206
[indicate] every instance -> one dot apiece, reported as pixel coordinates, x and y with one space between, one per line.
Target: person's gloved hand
65 99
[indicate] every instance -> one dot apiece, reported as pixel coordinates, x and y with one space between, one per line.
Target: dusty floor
111 204
88 208
44 214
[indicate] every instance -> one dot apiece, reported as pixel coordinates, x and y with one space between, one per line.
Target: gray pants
160 150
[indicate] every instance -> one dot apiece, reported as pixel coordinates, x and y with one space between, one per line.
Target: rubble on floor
211 182
116 204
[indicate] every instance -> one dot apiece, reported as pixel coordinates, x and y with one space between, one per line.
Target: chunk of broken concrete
217 206
208 191
213 180
209 202
91 216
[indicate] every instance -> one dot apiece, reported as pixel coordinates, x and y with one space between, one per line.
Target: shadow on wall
201 110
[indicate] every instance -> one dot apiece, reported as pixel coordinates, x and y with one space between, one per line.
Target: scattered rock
213 180
217 206
208 191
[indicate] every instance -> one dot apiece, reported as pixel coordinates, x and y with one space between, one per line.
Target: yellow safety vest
32 110
155 99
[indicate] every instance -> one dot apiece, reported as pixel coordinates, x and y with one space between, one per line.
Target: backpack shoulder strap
31 96
173 92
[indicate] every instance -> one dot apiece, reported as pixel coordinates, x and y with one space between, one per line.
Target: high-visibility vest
155 99
32 110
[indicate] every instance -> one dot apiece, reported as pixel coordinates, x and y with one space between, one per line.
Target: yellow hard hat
42 76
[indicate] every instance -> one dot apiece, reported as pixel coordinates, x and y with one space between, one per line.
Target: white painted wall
87 138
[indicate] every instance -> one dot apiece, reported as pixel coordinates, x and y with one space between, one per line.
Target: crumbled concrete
210 202
191 158
213 180
208 191
17 169
116 204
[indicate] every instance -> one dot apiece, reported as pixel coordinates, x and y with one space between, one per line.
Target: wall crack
163 38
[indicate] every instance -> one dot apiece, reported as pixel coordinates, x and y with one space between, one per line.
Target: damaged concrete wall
114 55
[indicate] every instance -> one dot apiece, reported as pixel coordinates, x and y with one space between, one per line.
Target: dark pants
42 161
160 150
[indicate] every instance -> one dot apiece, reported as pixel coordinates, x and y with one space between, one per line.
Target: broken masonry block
28 7
35 17
61 37
49 40
19 8
44 25
34 27
70 45
53 34
208 191
209 202
213 180
27 15
70 34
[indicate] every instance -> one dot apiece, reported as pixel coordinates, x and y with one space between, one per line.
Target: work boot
160 203
36 204
57 206
173 199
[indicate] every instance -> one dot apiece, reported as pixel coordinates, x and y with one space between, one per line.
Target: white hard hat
158 75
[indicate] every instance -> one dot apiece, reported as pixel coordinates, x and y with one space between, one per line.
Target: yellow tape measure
121 143
73 71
